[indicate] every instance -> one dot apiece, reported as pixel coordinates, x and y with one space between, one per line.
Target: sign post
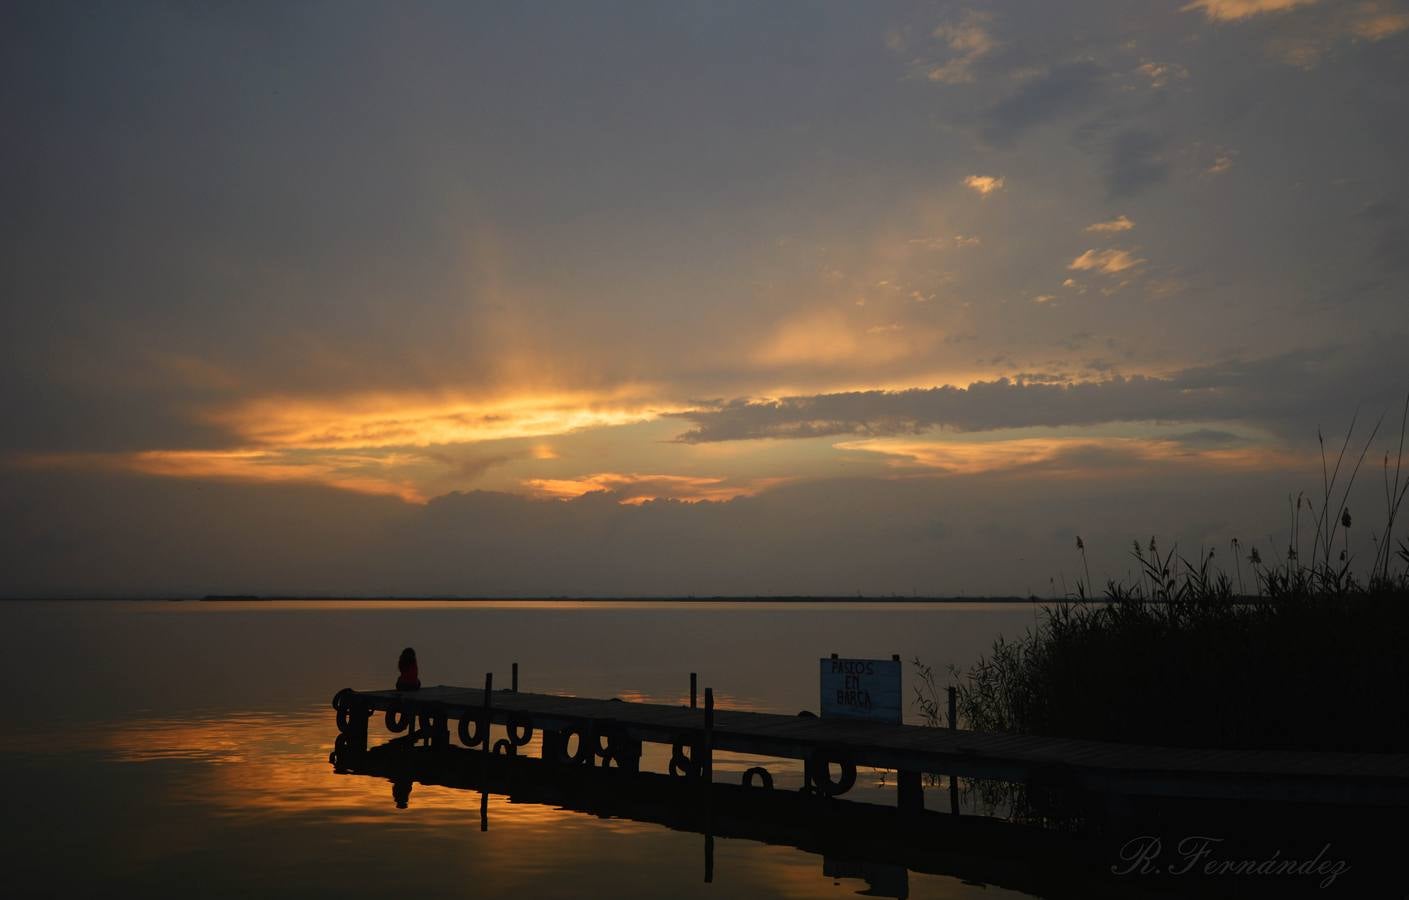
861 689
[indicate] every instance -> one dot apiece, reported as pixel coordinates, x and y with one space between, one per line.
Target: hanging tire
481 729
397 719
764 777
342 702
339 749
820 774
520 730
584 754
682 764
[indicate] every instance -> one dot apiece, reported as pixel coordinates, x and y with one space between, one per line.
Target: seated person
410 678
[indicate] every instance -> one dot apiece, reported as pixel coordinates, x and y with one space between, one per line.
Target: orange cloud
1119 223
1058 456
1373 22
968 41
635 488
413 420
372 444
1109 262
984 184
354 473
1233 10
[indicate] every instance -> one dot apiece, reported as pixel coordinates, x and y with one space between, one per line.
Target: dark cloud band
1292 394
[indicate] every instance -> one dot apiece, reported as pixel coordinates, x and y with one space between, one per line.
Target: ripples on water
179 749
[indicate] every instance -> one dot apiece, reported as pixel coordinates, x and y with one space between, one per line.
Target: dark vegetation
1292 653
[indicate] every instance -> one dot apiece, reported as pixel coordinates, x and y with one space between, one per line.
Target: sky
719 298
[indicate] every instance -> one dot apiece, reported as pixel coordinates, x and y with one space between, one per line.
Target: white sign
861 689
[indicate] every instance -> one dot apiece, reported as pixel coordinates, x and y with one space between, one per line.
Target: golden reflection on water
258 763
271 762
270 771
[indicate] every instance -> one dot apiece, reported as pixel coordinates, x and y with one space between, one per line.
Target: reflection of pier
856 840
587 732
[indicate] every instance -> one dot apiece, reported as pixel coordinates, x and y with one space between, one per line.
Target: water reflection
120 783
172 802
878 845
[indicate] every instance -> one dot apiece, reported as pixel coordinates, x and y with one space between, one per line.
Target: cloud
397 444
1044 298
1375 22
424 419
983 405
951 535
1308 41
1160 74
1298 52
984 184
1108 262
360 474
473 465
1134 162
1070 456
1119 223
1222 162
1236 10
968 41
1063 89
1206 438
1285 392
634 488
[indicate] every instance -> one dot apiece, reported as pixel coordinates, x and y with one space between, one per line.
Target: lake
169 749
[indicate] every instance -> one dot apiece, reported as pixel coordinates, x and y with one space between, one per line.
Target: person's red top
410 677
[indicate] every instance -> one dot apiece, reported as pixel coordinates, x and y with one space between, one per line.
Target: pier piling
707 746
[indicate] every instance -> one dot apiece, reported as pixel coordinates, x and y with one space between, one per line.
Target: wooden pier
582 731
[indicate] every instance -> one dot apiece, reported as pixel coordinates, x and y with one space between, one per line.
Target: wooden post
552 742
909 789
488 715
440 737
515 682
358 714
707 745
709 857
692 690
910 793
953 724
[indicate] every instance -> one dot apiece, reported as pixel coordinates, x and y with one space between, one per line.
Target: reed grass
1181 654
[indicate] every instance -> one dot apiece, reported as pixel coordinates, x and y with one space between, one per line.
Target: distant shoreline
242 598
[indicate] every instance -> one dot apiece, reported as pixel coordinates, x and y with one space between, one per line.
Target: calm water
178 749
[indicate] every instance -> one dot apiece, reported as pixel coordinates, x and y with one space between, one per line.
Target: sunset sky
634 298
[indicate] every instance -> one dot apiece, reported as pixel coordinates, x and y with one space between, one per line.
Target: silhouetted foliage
1182 656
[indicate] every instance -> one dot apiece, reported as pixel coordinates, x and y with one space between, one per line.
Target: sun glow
391 420
635 489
